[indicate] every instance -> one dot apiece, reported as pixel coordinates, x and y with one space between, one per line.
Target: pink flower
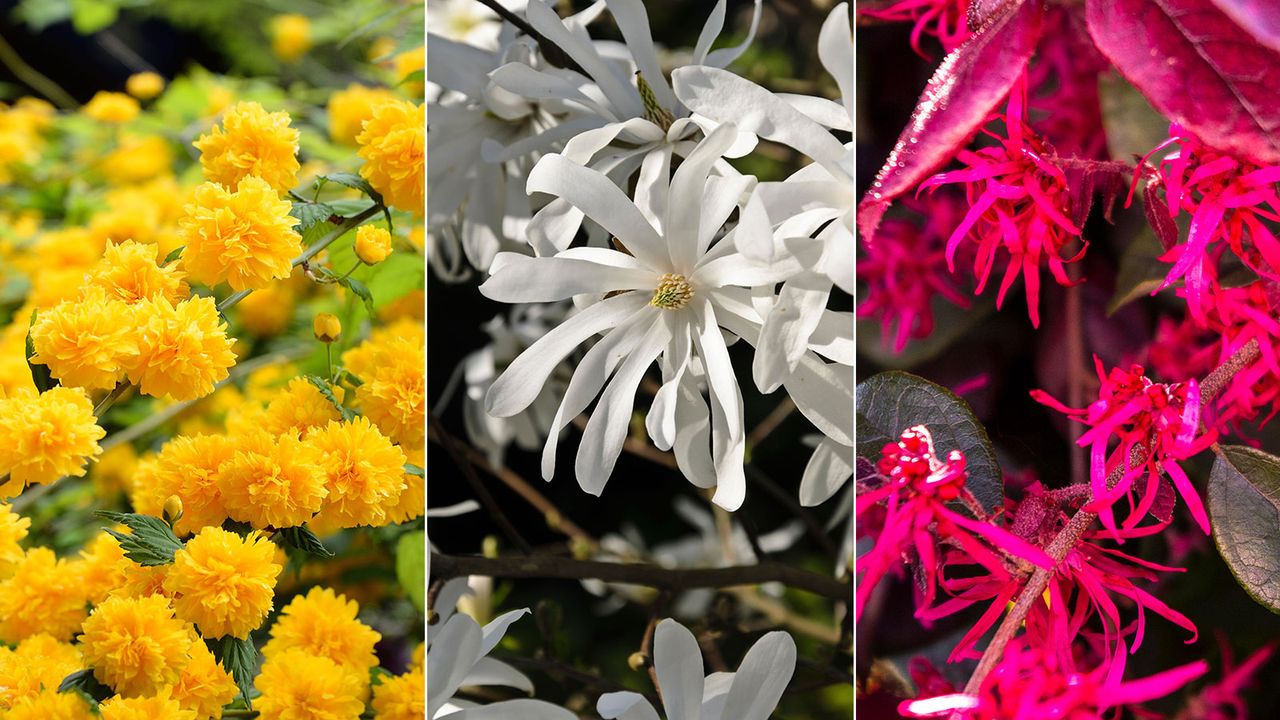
914 489
1222 700
1019 203
1031 684
1229 201
946 20
905 267
1162 418
1064 86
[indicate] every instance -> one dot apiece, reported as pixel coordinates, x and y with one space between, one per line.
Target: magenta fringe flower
947 20
1018 203
1031 684
1223 700
1162 418
1229 201
914 491
905 267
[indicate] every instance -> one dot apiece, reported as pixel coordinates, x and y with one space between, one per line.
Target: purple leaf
1260 17
1159 218
1197 67
968 85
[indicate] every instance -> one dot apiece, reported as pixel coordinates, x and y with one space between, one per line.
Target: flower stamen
673 292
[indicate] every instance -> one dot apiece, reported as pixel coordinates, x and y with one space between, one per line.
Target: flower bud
373 244
326 327
172 509
637 661
144 85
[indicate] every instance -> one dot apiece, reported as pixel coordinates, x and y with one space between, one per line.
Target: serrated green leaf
302 539
362 291
317 231
352 180
84 682
239 658
415 470
40 374
310 213
411 567
891 402
320 384
151 543
1244 505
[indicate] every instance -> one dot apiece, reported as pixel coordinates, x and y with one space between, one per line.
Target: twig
482 493
1075 373
672 579
34 78
771 421
552 52
778 614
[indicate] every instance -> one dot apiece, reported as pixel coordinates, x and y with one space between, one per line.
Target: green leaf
1140 271
83 682
1133 126
891 402
40 374
309 214
320 384
302 539
173 255
90 16
151 543
317 231
362 291
1244 504
352 180
415 470
411 567
394 277
239 658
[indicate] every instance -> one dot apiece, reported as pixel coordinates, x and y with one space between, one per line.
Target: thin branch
771 421
552 52
673 579
34 78
482 493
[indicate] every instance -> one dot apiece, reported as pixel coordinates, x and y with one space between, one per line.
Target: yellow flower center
673 292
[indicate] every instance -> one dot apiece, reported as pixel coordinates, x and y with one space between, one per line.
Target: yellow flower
392 395
373 244
100 567
40 596
87 342
188 467
413 500
13 527
144 85
39 661
137 159
362 359
183 350
348 109
410 306
272 481
223 583
296 685
130 272
244 237
324 624
141 581
111 107
251 143
155 707
50 704
46 437
135 645
365 473
407 63
113 473
204 686
402 697
394 159
299 408
268 311
290 36
326 327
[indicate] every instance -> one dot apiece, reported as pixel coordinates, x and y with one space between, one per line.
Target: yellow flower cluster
223 583
251 143
393 145
349 109
46 436
244 236
290 36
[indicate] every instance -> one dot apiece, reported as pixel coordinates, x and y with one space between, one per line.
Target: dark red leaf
1197 67
1260 17
980 12
968 85
1158 216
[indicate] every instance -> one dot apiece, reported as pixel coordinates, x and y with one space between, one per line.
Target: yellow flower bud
144 85
290 36
373 244
172 509
326 327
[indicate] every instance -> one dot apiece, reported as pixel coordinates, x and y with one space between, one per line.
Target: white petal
763 676
833 338
794 197
496 628
785 335
634 130
458 67
723 96
653 185
692 446
453 652
521 709
822 396
820 110
625 99
754 234
523 379
717 691
602 201
489 671
625 705
835 50
553 227
728 438
633 21
684 211
537 85
710 31
661 420
521 279
839 260
493 151
722 57
827 471
677 662
447 602
606 431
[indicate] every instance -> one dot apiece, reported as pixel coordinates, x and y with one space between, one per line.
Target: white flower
457 650
820 198
639 124
751 693
663 298
468 21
